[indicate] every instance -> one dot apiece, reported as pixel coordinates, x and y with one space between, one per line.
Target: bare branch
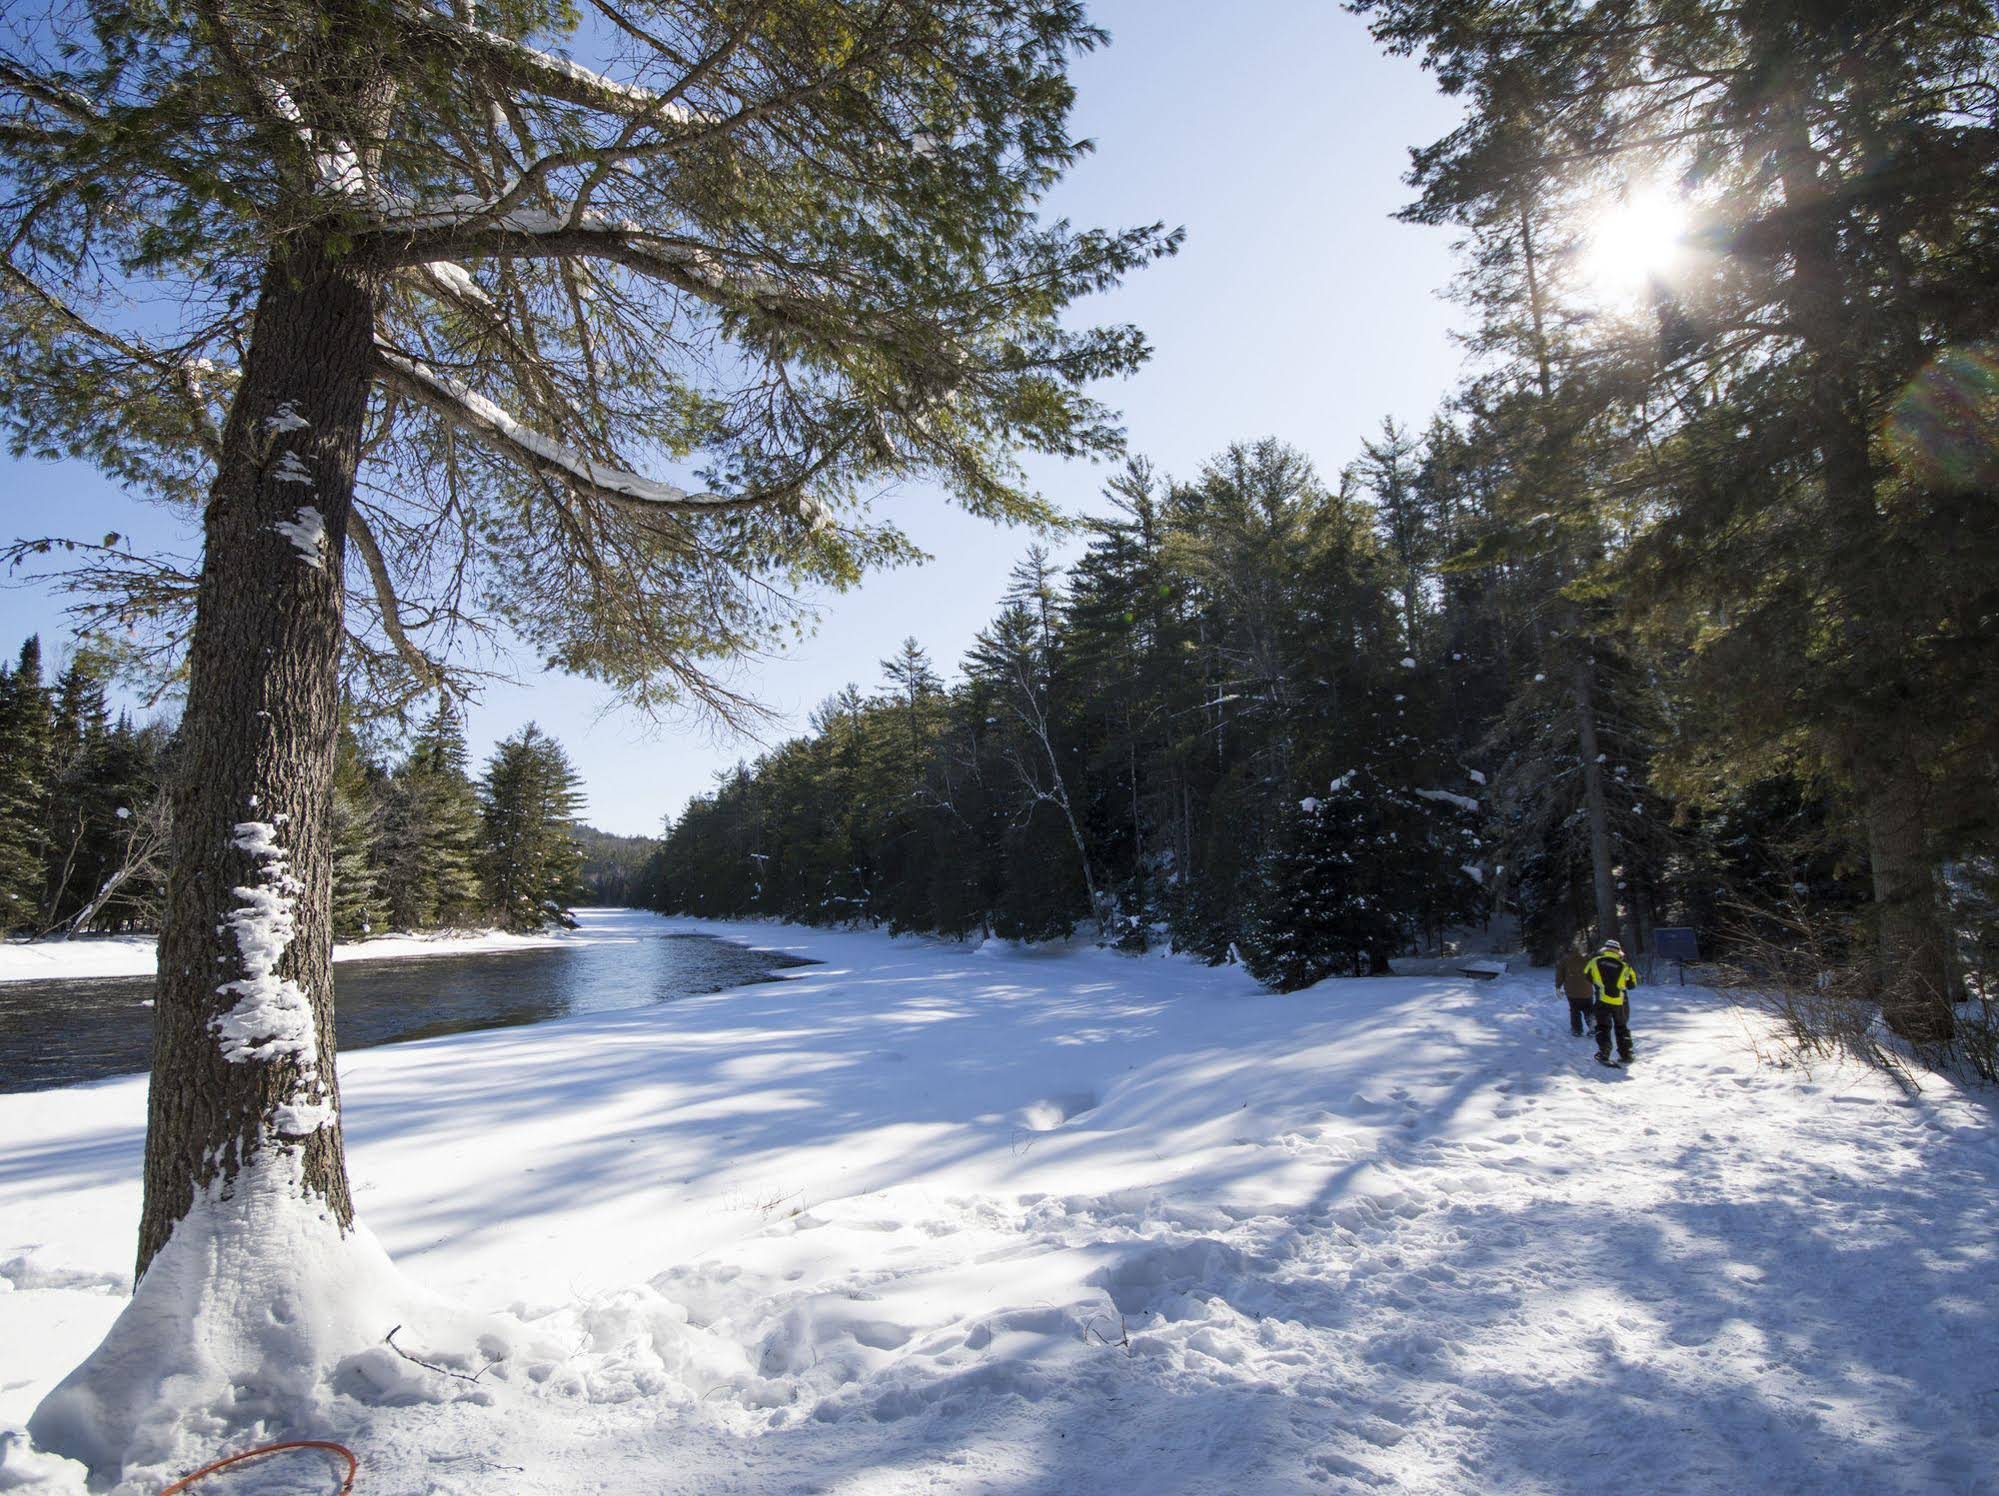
428 672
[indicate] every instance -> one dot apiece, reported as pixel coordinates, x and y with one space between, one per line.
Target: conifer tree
1320 909
1389 471
122 873
1123 644
529 799
899 835
1789 374
25 733
403 237
1031 763
1362 867
358 908
81 813
429 841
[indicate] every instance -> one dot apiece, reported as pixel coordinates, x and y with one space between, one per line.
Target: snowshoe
1607 1062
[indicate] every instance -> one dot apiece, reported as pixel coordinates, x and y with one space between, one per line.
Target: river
64 1032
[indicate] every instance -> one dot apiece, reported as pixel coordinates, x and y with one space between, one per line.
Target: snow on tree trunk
249 1284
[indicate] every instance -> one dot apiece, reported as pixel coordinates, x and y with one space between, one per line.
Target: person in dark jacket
1611 979
1572 981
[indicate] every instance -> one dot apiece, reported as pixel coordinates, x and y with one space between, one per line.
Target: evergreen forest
418 843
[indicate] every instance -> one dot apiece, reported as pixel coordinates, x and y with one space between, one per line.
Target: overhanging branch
530 70
427 671
502 432
188 374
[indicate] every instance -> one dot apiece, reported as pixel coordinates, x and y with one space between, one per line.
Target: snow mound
256 1310
23 1466
1051 1112
1165 1278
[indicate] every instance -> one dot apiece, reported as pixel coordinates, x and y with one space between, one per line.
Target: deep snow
931 1218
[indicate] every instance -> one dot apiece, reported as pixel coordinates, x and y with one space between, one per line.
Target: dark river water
59 1033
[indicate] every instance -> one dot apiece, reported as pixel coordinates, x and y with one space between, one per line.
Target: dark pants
1579 1009
1613 1016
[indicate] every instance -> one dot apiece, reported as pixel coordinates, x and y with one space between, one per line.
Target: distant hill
611 864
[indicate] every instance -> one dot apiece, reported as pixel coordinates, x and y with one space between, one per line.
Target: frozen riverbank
927 1218
92 956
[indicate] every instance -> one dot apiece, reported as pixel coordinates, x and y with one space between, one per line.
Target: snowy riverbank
132 955
930 1218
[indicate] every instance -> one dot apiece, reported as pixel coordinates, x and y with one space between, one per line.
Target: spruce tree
1363 870
25 732
1030 762
81 819
428 846
358 908
529 799
1123 638
1320 909
1389 470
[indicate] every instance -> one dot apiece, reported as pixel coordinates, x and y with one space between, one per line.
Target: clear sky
1277 133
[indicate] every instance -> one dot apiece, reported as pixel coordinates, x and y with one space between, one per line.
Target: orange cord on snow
347 1485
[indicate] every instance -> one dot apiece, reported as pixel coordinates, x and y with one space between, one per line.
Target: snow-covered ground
132 955
926 1218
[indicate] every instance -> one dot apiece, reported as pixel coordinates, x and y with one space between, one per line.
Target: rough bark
257 746
1912 950
1912 938
1596 805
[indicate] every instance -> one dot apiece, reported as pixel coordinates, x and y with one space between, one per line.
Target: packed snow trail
926 1218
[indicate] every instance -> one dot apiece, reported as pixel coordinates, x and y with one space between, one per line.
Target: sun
1634 241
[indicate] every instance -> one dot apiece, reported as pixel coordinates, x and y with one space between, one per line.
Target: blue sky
1277 133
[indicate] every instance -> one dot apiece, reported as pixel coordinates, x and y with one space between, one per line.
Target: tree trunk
243 1054
1596 807
1912 939
1912 950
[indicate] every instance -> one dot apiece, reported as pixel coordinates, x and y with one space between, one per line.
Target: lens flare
1943 431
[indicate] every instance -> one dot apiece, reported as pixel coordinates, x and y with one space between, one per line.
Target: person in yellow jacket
1612 977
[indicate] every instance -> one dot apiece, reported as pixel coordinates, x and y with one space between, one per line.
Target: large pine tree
401 237
1834 159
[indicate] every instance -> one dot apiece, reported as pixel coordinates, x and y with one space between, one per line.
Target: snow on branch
534 71
472 411
455 282
334 161
1449 797
471 227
